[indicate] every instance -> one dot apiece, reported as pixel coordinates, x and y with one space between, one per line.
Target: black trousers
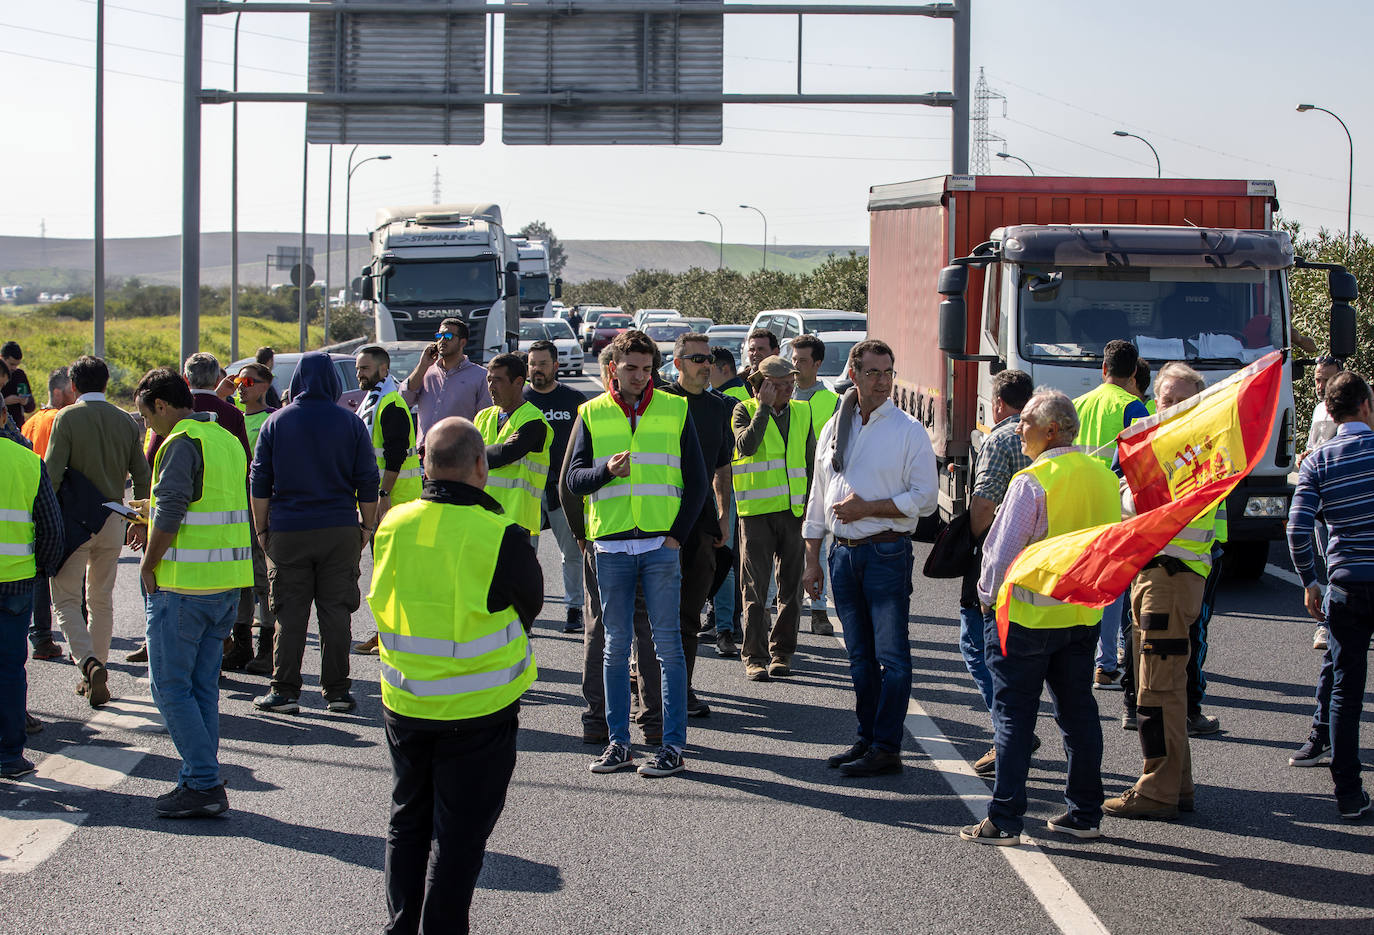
448 790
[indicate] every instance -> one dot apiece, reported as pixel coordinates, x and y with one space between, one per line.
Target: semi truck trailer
433 262
969 276
538 288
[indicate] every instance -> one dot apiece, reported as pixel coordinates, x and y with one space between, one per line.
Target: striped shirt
1335 480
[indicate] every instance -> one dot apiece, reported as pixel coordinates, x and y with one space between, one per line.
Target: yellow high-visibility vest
822 404
740 393
773 478
21 472
1079 493
408 483
649 499
212 550
519 486
1101 417
444 656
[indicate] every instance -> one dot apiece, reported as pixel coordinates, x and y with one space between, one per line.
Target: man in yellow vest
518 441
1047 642
31 547
198 557
637 460
808 353
455 589
774 451
1102 413
1166 600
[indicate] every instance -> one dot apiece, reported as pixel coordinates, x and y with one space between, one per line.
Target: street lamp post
1350 184
1159 171
234 206
1018 159
765 232
348 203
720 262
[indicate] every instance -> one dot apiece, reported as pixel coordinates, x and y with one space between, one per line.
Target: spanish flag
1179 463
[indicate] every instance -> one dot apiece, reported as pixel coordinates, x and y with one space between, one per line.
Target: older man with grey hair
1045 642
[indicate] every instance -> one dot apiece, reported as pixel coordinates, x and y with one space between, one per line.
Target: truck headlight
1266 507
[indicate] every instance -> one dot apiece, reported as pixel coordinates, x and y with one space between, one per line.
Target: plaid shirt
49 539
1000 458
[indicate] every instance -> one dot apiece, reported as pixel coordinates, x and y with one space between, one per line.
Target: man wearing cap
774 449
445 383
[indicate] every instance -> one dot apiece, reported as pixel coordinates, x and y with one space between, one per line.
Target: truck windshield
1069 314
534 288
445 282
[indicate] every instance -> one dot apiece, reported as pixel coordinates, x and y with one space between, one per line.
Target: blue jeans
723 603
972 627
660 575
1032 659
15 610
871 585
186 636
1111 629
1351 621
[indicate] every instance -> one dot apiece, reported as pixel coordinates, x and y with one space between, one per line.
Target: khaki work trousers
95 563
1165 606
763 539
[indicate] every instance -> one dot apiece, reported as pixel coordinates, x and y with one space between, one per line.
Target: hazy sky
1212 84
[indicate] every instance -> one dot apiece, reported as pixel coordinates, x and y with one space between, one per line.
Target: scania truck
1053 269
537 287
433 262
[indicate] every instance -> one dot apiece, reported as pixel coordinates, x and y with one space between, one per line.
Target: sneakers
874 762
725 645
1354 807
1128 720
1201 724
31 724
238 656
755 673
47 650
138 655
1068 824
780 667
1316 752
855 752
574 621
1319 639
1107 681
185 802
1131 804
696 707
986 765
277 703
614 757
985 832
367 648
340 704
666 762
24 766
820 622
97 682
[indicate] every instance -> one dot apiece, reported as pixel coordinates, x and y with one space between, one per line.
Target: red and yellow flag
1179 463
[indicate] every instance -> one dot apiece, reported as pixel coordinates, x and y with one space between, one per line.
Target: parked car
790 322
284 367
590 313
699 324
664 334
646 315
834 372
560 333
607 327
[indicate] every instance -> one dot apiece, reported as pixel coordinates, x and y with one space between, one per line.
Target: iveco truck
1053 269
445 261
537 287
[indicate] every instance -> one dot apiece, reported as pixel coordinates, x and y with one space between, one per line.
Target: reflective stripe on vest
21 471
649 499
444 655
212 549
1101 417
1193 543
408 484
773 478
1079 493
518 487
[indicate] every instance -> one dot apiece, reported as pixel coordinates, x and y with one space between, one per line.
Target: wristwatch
383 493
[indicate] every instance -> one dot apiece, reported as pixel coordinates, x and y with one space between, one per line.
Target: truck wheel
1245 561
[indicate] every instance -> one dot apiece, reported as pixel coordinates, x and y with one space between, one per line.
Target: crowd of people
739 492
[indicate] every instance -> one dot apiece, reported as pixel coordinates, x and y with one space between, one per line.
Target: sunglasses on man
444 336
695 358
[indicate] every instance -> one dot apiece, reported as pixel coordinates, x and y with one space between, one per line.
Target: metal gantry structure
195 95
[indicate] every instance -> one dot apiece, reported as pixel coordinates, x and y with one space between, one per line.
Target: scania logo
437 313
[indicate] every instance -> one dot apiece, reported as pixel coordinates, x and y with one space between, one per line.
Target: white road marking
138 714
1283 574
86 768
28 840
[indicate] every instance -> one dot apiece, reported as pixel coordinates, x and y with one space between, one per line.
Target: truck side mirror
362 286
1341 285
953 310
558 288
1342 330
953 280
512 283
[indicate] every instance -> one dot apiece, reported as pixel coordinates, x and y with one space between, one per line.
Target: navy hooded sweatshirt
314 458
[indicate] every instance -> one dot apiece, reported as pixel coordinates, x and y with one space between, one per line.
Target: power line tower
979 163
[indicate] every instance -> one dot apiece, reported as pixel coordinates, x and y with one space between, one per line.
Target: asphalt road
757 836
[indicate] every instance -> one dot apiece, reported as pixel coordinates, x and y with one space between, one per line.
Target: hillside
66 264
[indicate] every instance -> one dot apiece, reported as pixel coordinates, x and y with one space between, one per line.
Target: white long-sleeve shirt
890 457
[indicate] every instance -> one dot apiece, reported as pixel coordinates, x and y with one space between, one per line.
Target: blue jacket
314 458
